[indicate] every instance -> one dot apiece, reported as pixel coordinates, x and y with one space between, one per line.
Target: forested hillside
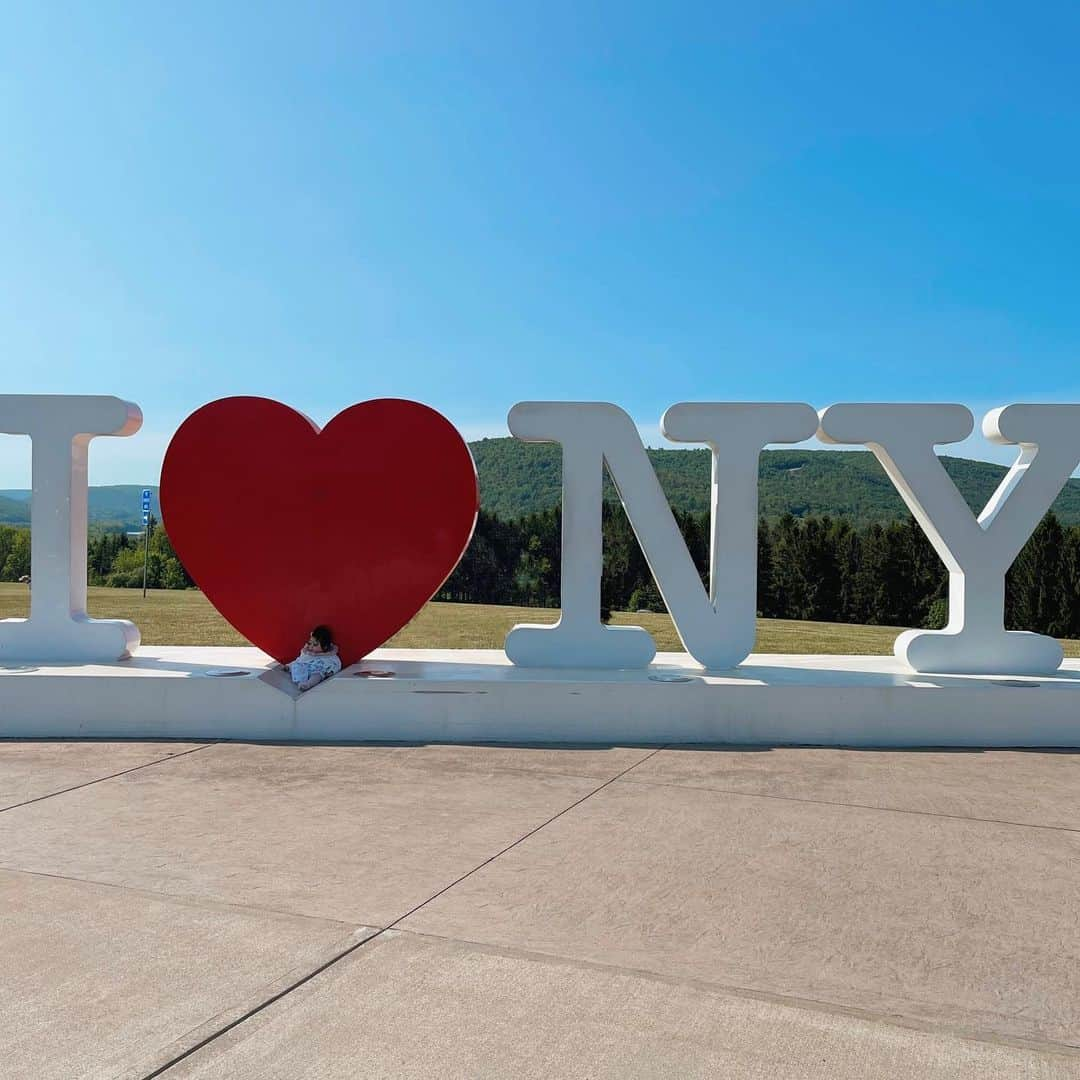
522 478
525 478
113 507
818 568
13 511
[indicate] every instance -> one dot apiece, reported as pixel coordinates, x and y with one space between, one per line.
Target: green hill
516 478
114 506
12 511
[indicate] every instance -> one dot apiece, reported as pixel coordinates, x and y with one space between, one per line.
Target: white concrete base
478 696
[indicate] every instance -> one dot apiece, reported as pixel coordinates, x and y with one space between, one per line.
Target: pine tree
787 572
1037 592
766 596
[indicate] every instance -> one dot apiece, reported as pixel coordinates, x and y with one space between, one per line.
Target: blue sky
477 204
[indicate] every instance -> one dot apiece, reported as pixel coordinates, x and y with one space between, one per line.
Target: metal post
146 552
146 535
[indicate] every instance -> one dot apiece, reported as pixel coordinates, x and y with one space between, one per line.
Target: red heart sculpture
284 526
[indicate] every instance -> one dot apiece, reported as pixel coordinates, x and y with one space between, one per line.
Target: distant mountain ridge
518 478
115 506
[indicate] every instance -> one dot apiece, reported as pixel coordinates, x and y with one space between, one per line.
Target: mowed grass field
184 617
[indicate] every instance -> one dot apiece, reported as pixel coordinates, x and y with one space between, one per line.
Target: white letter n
717 627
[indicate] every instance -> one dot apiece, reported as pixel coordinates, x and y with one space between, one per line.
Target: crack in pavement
852 805
204 903
522 839
111 776
254 1010
296 984
793 1001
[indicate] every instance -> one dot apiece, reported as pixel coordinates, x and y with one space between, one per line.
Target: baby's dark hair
323 636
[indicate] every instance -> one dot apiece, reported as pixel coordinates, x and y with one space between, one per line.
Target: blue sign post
146 535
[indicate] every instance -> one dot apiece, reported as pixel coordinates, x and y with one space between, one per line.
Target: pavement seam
735 990
183 899
523 770
1070 1050
102 779
853 806
523 838
255 1010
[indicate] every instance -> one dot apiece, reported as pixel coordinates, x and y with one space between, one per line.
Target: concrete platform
478 696
297 911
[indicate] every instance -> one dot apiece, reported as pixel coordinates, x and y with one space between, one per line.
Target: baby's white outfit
310 668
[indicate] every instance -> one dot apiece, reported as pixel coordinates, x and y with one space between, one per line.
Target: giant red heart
284 526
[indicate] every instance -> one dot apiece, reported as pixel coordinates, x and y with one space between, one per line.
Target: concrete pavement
209 910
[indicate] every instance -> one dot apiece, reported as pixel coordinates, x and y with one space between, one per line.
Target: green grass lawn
185 618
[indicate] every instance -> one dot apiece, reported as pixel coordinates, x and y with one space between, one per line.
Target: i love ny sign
284 525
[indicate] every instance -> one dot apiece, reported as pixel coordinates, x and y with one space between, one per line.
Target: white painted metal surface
60 429
478 696
977 551
716 626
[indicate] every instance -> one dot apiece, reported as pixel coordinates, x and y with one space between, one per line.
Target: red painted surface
284 526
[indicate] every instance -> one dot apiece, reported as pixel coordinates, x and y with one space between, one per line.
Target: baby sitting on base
318 660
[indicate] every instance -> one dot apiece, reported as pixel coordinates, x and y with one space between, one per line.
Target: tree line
112 558
818 568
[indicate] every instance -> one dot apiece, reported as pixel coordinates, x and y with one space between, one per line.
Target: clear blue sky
478 204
